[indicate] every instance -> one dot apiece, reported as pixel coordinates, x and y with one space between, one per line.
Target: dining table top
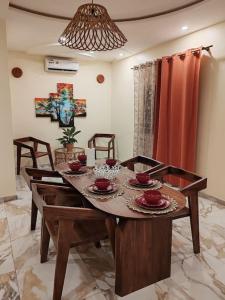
117 206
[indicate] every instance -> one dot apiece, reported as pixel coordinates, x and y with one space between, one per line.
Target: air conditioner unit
54 64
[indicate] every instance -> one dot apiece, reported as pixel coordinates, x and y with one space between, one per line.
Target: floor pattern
90 273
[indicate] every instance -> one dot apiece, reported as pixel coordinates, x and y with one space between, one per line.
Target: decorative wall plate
17 72
100 78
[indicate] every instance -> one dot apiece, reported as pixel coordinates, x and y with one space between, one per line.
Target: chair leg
113 151
45 239
34 212
194 220
63 247
50 157
98 244
111 228
18 150
34 159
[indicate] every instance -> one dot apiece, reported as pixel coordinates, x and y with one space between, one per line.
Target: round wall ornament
100 78
17 72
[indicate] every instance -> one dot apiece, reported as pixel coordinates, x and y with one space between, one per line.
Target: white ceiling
38 35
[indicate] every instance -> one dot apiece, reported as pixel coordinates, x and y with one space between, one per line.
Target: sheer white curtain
144 103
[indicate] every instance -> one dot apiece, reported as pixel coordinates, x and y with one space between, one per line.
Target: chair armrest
40 142
52 187
158 174
90 141
111 141
22 145
55 213
196 186
129 161
42 173
50 183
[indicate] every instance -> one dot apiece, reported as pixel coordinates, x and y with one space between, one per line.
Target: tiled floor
90 273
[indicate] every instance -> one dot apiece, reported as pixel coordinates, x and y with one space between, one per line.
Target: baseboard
8 198
212 198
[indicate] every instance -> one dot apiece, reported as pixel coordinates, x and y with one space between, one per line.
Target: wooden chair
92 143
33 175
33 151
68 227
196 184
153 164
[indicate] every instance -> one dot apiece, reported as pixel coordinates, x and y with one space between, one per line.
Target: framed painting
65 89
65 104
54 97
41 107
80 108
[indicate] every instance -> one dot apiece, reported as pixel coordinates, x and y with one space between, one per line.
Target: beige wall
7 177
35 82
211 142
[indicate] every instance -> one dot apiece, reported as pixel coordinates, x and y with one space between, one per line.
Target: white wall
35 82
7 177
211 142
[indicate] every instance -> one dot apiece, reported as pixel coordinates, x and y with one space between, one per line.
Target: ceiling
38 35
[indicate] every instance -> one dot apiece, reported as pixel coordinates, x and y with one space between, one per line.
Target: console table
62 155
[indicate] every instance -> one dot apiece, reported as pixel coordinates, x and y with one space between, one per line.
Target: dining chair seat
101 148
36 154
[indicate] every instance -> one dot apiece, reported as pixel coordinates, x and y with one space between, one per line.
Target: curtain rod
206 48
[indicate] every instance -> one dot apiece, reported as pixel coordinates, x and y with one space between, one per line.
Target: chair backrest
144 160
191 181
22 142
104 135
97 136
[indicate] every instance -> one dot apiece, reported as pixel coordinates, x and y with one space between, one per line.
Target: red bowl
111 162
75 166
102 183
82 158
152 197
142 178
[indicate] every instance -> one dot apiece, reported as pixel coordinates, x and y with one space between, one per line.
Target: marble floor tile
90 272
2 211
6 259
8 287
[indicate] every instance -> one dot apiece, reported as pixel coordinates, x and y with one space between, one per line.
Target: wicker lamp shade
92 29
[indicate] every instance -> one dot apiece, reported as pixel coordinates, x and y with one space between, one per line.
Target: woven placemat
156 186
75 175
133 206
117 193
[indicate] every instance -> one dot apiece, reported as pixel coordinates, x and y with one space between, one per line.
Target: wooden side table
62 155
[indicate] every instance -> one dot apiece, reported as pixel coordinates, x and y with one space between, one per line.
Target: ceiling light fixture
185 27
92 29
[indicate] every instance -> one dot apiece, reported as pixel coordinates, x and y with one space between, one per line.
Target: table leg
143 253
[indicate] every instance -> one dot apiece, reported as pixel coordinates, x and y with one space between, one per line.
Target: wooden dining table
141 242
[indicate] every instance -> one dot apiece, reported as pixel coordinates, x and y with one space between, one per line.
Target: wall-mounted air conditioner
54 64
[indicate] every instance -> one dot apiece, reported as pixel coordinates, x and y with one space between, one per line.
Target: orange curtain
176 130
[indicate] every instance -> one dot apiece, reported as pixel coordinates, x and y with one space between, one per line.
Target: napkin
90 152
